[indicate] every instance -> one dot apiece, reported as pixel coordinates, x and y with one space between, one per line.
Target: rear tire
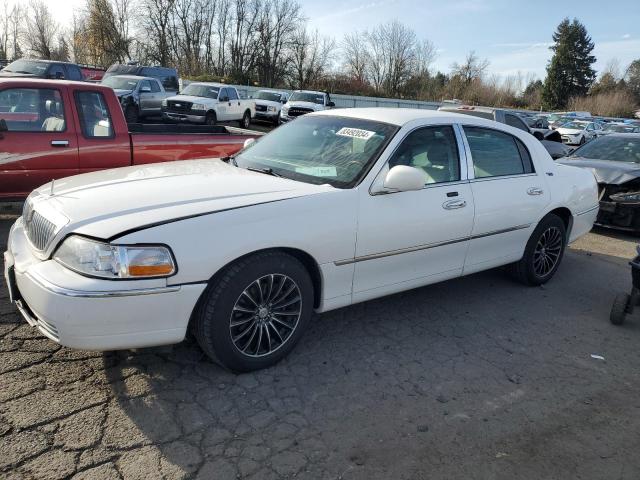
210 118
619 308
253 315
246 120
543 253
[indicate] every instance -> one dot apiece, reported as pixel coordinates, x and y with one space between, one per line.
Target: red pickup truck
51 129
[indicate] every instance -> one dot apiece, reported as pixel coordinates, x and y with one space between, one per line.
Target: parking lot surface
473 378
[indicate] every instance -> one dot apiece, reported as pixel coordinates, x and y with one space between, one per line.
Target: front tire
543 253
253 315
619 308
210 118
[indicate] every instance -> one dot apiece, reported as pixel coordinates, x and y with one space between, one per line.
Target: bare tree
156 21
42 29
472 69
310 56
356 56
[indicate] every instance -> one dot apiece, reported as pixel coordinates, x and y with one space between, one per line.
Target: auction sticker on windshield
318 171
355 133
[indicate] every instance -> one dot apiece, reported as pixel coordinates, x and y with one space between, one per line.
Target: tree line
270 43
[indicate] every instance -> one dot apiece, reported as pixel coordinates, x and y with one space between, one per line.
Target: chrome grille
297 111
39 230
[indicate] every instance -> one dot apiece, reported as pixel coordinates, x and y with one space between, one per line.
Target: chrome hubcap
547 252
265 315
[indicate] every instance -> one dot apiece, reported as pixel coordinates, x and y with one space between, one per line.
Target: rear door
510 197
41 142
235 105
223 111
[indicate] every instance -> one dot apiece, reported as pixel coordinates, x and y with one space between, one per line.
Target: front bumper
567 140
622 216
267 116
182 117
95 314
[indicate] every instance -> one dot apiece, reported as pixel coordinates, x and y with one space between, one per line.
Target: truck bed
149 141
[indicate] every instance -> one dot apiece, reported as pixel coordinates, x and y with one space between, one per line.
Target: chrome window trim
461 153
472 175
390 253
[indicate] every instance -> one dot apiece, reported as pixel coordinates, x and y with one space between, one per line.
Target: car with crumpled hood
615 162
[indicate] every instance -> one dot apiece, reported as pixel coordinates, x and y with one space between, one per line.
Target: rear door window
32 110
95 118
496 153
516 122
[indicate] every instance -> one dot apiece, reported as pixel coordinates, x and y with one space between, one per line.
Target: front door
223 105
40 143
510 197
407 239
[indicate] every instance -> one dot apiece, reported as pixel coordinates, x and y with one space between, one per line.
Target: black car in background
167 76
615 162
33 68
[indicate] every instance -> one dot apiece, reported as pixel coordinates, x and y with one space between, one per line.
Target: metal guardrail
342 101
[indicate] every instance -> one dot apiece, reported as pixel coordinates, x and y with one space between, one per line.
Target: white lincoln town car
335 208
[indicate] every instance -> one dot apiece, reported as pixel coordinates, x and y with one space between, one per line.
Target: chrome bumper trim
47 285
588 211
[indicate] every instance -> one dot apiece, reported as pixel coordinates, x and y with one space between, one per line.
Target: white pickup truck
209 103
305 101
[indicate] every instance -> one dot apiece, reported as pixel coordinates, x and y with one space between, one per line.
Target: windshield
320 149
620 128
574 125
120 83
307 97
27 66
617 149
206 91
271 96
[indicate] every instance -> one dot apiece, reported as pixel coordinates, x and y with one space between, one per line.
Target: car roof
46 83
310 91
402 116
211 84
133 77
470 108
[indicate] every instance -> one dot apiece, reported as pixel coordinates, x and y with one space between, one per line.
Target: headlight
164 102
98 259
198 106
271 109
630 197
285 110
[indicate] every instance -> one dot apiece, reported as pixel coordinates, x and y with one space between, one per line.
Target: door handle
454 204
59 143
535 191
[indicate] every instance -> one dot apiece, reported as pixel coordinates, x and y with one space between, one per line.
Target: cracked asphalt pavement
473 378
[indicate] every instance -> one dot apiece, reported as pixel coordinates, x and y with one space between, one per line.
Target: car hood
313 106
568 131
189 98
606 171
120 92
268 103
106 203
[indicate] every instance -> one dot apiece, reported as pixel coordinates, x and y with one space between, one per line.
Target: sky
514 35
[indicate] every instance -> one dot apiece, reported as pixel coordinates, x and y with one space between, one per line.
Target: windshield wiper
230 159
267 171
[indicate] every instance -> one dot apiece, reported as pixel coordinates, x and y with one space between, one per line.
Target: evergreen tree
570 71
633 78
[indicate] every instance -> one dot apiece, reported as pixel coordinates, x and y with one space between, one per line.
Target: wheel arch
303 257
567 218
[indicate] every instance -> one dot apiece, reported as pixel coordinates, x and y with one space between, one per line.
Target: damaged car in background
615 162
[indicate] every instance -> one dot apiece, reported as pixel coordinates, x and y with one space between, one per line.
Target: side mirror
331 104
403 178
283 101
